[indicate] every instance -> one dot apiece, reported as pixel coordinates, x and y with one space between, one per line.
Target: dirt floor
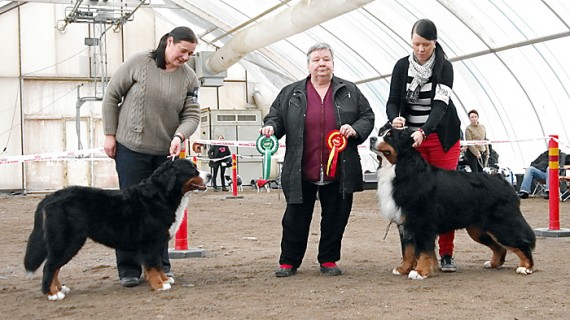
235 280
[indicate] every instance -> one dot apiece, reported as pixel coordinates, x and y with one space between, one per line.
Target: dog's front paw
489 265
523 270
415 275
165 286
56 297
396 272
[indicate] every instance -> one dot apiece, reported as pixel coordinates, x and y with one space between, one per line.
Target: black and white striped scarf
421 74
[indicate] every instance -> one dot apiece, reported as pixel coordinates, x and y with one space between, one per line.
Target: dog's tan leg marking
61 288
165 278
53 289
154 278
525 265
499 252
56 290
425 266
408 261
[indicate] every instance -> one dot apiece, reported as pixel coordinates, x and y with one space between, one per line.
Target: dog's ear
387 126
406 140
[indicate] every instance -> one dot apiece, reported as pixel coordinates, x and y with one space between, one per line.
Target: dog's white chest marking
179 215
388 207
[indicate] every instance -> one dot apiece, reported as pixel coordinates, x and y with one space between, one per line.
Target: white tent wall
509 59
55 69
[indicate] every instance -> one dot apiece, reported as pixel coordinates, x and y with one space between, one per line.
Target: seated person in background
476 155
538 170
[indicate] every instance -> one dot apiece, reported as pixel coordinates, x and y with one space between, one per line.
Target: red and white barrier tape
483 142
48 156
230 143
251 144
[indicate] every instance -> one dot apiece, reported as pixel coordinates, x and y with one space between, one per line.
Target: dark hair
472 111
426 29
178 34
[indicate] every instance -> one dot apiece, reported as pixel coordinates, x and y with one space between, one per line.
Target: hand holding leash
399 122
176 145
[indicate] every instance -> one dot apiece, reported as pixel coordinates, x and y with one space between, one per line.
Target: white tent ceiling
510 57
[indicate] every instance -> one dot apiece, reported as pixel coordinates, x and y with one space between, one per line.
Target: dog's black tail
36 250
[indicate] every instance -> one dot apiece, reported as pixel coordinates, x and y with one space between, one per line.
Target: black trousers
473 162
132 167
335 211
222 169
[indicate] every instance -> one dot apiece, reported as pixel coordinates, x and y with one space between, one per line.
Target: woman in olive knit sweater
149 108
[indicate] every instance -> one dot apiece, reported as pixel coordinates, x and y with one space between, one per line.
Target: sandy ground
235 280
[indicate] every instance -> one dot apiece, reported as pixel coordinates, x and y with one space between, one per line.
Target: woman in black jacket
221 159
307 112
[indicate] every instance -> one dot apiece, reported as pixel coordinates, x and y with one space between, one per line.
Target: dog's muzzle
373 143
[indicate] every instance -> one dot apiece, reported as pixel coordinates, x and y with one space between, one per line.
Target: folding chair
539 188
565 180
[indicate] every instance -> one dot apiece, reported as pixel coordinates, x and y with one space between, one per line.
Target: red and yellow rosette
336 143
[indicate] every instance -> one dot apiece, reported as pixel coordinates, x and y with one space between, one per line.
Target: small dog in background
230 182
262 183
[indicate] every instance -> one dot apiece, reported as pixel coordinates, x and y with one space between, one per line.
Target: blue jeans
133 167
531 174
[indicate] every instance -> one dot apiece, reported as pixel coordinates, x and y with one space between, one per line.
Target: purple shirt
319 121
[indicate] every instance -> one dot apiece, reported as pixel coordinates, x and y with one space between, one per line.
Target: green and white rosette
267 146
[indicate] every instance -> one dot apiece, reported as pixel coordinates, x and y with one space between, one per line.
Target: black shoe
285 271
448 264
331 271
224 189
546 196
523 195
129 282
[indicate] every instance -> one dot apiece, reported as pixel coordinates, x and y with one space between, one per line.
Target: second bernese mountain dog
425 201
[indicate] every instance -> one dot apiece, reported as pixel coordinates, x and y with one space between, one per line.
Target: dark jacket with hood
287 116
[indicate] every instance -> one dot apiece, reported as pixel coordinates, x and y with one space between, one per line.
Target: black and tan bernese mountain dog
140 218
425 201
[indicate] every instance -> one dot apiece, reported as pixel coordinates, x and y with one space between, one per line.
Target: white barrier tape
216 159
202 158
483 142
561 143
230 143
48 156
234 143
78 153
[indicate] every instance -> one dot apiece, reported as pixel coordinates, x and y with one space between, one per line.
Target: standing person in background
477 155
219 162
307 111
420 97
150 107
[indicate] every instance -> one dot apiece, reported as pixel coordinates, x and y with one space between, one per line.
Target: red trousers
432 151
